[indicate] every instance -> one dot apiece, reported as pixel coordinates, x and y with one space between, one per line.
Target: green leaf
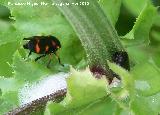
127 80
137 107
111 9
2 1
156 56
156 22
105 106
8 84
135 6
138 54
155 40
8 33
146 76
102 106
8 101
4 13
9 42
27 70
125 93
121 111
37 21
82 90
0 92
151 103
79 90
140 31
7 50
72 51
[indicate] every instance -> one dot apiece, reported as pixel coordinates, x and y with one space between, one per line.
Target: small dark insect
45 45
121 58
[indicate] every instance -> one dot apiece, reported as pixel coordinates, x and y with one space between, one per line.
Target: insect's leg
50 57
29 53
40 57
58 59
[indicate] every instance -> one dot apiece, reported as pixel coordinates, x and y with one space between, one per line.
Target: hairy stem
95 31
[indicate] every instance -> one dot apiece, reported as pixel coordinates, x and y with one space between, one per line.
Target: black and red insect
44 45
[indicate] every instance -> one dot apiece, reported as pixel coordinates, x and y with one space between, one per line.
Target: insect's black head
25 46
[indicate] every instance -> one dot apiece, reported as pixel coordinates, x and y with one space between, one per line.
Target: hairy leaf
140 31
82 88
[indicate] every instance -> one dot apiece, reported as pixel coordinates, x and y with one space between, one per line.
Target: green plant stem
94 29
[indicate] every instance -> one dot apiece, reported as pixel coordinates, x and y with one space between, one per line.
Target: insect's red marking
53 43
46 48
37 48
